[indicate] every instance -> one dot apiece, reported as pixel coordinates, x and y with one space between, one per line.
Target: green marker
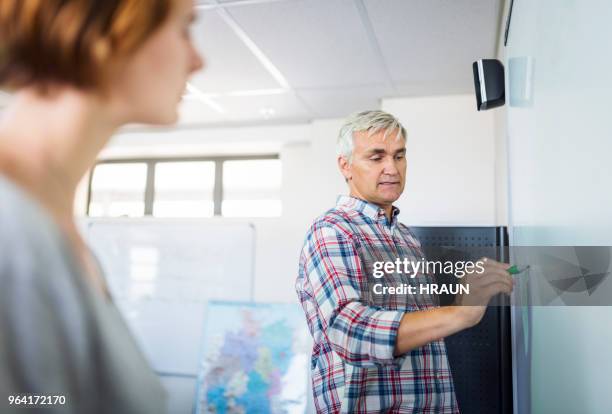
514 270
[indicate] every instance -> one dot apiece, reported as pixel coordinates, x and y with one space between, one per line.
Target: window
187 187
118 190
184 189
251 188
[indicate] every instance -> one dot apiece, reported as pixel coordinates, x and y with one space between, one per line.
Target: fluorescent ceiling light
214 5
250 44
197 94
257 92
247 92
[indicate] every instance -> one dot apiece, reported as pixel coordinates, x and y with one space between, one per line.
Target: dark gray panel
480 357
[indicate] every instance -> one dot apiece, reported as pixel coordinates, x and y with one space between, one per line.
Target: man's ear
345 168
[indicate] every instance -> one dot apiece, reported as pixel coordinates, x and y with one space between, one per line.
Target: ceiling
285 61
294 60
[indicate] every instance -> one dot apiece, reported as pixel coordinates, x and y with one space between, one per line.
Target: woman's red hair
71 41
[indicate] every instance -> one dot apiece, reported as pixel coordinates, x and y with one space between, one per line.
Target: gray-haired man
368 358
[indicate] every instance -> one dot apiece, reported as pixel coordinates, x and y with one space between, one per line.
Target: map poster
254 359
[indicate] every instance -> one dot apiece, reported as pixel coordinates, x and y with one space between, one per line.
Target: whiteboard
161 273
558 123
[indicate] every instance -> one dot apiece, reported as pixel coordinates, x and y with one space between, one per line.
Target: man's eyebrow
383 151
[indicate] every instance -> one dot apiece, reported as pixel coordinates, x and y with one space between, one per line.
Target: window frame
151 163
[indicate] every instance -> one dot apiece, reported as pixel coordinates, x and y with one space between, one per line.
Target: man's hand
482 287
421 327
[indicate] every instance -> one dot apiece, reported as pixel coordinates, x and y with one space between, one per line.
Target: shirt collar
371 210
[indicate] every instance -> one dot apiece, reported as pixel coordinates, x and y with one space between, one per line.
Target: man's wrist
464 317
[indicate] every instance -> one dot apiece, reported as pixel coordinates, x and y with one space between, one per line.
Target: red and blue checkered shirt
353 366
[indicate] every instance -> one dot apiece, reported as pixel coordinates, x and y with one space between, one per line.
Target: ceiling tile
431 88
340 102
314 43
230 65
264 108
434 40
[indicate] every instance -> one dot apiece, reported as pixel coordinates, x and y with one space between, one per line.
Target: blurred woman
79 69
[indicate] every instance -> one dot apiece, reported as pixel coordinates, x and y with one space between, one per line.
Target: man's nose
389 167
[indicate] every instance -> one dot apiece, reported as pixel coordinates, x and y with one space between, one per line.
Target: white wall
451 173
451 161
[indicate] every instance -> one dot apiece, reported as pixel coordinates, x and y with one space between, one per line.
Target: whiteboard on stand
162 272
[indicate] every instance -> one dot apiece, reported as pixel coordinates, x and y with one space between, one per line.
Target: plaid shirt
353 366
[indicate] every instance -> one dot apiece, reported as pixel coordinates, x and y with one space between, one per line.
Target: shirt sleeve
361 335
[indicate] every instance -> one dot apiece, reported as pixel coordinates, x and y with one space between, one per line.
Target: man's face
377 172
